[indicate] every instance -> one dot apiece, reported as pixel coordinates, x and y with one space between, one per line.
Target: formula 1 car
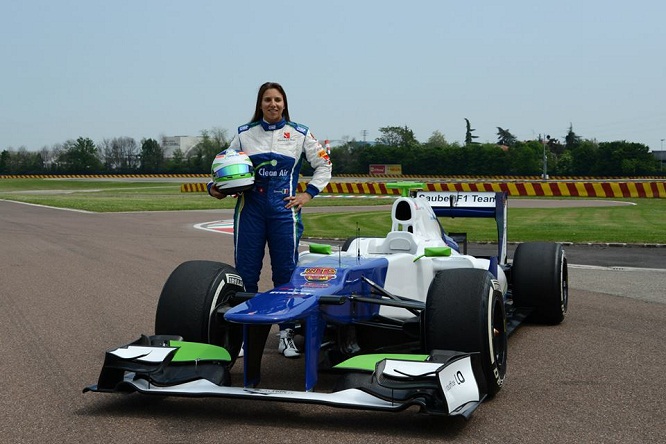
410 319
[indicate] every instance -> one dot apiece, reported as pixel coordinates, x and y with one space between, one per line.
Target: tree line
120 155
573 155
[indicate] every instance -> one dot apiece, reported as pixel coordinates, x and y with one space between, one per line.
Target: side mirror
434 252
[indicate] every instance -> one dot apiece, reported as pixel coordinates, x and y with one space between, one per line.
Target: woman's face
272 105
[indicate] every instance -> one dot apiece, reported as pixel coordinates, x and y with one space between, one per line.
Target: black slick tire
190 300
540 280
465 312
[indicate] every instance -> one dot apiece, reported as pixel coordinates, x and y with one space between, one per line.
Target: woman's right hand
217 194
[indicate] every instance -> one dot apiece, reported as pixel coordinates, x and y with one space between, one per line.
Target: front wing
446 382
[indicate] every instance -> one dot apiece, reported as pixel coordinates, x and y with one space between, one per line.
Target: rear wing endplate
473 204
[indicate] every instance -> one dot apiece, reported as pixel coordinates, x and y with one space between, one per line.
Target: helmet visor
234 171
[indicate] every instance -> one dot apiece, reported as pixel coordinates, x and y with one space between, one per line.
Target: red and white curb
218 226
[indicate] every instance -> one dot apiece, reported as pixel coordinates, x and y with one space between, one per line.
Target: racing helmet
232 172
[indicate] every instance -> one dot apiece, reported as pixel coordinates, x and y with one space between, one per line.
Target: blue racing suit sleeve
312 190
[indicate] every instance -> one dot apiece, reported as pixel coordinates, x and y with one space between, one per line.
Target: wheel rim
564 279
219 329
499 336
221 332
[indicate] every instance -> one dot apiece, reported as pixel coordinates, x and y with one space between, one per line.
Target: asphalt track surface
75 284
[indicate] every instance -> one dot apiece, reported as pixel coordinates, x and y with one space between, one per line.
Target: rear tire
540 280
465 312
190 300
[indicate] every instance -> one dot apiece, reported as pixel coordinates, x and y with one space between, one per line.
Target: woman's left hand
298 200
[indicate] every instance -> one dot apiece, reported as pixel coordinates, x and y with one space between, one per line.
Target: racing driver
270 211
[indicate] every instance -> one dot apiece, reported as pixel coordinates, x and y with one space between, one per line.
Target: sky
148 68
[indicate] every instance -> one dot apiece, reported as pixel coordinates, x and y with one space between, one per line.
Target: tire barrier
562 189
471 178
193 188
648 189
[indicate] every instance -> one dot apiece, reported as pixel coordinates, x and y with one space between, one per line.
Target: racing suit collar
273 126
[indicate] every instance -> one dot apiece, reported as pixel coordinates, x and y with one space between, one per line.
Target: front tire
190 301
540 280
465 312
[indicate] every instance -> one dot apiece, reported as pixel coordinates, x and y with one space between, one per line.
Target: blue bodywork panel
299 301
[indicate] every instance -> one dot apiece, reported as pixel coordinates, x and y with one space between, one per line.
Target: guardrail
648 189
556 187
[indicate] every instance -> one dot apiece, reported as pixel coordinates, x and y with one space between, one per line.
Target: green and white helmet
232 172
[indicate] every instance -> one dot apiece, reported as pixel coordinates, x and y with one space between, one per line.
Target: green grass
644 222
114 196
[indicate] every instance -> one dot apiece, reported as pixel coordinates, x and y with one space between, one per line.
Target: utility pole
545 158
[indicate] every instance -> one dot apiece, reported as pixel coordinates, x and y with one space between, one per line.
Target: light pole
545 159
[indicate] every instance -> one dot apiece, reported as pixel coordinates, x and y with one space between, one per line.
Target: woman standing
270 212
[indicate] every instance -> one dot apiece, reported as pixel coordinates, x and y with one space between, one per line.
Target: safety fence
495 178
608 187
651 189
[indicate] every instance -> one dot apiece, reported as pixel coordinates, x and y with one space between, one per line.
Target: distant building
185 143
336 143
661 157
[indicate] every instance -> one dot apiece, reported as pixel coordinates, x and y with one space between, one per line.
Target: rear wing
472 204
464 204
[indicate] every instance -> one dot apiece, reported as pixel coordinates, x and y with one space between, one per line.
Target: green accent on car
369 362
320 248
405 187
434 252
195 351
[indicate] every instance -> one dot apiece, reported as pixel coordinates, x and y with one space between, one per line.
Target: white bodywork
414 228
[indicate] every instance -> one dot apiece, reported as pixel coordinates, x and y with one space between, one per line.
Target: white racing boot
286 345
